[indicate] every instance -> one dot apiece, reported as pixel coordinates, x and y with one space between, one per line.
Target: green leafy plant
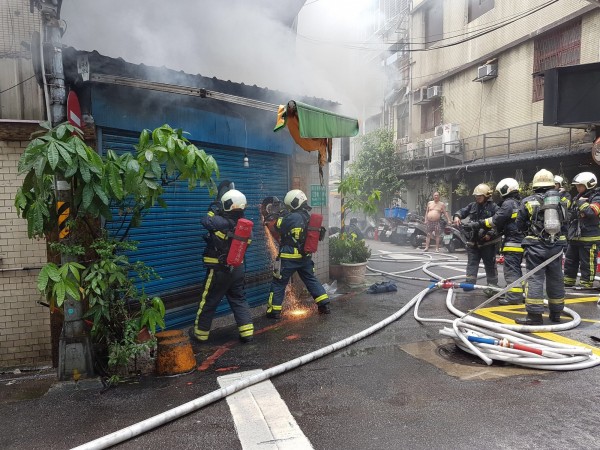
462 189
345 250
129 183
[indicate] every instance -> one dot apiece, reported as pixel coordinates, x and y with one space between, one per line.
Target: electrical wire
16 85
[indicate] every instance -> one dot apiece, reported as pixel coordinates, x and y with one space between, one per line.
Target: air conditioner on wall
439 130
487 72
434 92
420 96
404 140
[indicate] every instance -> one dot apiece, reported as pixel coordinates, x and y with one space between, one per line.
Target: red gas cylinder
311 243
239 242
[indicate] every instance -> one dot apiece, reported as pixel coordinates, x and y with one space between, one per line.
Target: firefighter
558 185
221 279
584 231
542 218
353 232
504 221
293 228
482 242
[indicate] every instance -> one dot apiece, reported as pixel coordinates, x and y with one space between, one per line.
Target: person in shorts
433 215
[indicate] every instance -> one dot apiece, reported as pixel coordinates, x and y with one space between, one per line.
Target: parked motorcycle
416 231
384 230
453 238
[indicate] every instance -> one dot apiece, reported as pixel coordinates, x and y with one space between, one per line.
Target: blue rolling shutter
171 240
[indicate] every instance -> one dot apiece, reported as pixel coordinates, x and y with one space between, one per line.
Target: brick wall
24 324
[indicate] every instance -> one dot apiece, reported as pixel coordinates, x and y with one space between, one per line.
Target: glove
472 226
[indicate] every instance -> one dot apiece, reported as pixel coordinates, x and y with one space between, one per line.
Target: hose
471 334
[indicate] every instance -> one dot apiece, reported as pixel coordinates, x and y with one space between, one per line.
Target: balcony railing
525 140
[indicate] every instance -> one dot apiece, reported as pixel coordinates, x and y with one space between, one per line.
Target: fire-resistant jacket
218 240
584 221
478 213
530 220
504 219
292 229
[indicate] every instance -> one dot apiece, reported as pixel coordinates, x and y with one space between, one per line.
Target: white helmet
233 199
543 178
482 189
295 198
507 185
588 179
558 179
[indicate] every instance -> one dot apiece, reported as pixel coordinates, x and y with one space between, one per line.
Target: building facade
471 108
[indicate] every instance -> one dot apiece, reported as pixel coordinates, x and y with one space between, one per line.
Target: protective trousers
582 256
552 274
513 256
486 253
219 283
306 270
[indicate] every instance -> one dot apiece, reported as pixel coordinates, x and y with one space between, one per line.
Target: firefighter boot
555 316
324 309
531 319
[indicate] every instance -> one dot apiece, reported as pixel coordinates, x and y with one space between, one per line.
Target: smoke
244 41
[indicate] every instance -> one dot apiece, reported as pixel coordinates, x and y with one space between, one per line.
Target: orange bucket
174 353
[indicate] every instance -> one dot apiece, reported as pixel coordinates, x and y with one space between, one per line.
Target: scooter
384 230
453 238
417 231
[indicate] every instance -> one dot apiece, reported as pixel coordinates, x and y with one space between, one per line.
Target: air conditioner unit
404 140
437 146
439 130
434 92
487 72
420 96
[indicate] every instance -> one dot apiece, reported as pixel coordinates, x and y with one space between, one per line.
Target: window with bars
431 115
556 49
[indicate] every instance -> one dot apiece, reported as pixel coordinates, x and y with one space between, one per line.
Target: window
556 49
478 8
434 23
402 120
431 115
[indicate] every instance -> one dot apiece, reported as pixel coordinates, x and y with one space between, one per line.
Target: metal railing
532 138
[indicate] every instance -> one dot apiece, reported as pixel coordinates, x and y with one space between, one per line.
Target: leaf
148 155
144 139
53 273
87 195
59 292
116 183
84 170
39 166
43 278
100 193
53 156
72 169
80 147
133 165
64 152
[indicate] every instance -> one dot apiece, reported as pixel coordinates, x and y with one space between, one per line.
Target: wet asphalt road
403 387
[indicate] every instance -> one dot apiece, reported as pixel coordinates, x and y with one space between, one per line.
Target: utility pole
74 357
344 156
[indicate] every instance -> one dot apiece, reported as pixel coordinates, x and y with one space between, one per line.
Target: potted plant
354 261
336 253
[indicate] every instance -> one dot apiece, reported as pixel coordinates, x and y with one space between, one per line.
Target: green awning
318 123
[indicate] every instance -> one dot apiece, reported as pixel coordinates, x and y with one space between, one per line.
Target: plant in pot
337 250
354 261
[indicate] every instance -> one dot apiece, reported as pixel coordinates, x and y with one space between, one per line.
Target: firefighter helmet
507 185
233 199
558 179
295 198
588 179
482 189
542 179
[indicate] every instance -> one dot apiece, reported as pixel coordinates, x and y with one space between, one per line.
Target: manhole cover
452 353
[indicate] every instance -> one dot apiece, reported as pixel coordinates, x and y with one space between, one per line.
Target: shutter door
171 240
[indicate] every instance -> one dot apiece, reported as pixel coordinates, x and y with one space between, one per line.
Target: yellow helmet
543 178
482 189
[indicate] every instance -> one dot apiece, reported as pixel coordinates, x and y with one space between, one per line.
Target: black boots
324 309
531 319
555 316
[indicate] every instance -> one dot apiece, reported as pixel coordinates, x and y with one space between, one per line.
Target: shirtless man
434 212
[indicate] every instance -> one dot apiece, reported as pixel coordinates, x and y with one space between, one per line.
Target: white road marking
261 417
